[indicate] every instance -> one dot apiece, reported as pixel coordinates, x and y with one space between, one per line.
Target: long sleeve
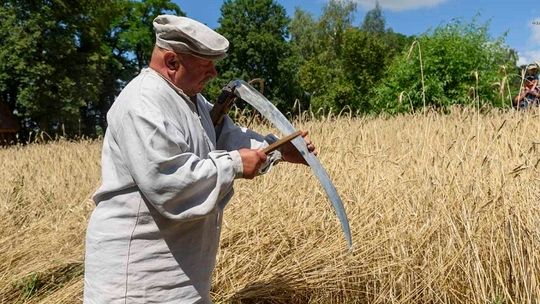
177 182
232 137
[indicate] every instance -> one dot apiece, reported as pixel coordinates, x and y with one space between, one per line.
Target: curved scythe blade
270 112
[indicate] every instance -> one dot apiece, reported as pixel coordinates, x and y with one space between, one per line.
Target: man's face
193 73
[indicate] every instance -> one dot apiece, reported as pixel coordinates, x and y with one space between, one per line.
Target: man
529 94
166 176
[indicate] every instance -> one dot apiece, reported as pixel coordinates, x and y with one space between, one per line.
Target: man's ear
171 61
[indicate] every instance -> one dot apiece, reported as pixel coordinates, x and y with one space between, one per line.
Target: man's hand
252 160
290 153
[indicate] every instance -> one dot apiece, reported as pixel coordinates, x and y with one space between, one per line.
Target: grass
443 209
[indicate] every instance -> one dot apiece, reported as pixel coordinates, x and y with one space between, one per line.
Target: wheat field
443 209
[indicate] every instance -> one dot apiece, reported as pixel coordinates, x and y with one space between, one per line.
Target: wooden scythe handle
281 142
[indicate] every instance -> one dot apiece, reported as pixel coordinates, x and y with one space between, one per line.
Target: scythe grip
224 102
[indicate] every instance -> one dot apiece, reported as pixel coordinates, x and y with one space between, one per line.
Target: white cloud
535 31
529 56
532 52
399 5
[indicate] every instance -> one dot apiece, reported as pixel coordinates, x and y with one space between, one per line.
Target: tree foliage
374 21
344 62
49 60
63 62
337 17
457 63
257 31
364 60
134 28
321 75
304 34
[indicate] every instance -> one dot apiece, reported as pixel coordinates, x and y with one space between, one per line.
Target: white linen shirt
154 234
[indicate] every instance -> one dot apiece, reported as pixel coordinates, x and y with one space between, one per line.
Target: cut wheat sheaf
443 209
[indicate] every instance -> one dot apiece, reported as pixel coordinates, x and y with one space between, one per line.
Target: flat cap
188 36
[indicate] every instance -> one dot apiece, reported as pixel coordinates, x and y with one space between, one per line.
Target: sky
519 20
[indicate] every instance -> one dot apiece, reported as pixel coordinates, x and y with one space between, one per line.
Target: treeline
62 63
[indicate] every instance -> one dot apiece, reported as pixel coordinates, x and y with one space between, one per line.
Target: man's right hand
252 160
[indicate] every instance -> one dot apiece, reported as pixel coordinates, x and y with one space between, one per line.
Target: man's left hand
290 154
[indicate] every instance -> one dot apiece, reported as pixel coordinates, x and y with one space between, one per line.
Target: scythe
242 90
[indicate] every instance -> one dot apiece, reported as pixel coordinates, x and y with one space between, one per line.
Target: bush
454 64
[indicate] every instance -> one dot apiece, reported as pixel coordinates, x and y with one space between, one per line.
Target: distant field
443 209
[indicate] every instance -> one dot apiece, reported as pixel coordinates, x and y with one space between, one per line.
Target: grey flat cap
185 35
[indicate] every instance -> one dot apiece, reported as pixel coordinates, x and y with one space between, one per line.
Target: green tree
47 47
374 21
135 27
321 74
337 17
364 60
257 31
303 31
459 64
62 62
341 63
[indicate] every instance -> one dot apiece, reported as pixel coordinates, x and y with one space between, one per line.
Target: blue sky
520 19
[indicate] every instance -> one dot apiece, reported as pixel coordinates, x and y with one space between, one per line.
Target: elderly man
166 176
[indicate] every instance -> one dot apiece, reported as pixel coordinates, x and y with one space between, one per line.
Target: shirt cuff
238 166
